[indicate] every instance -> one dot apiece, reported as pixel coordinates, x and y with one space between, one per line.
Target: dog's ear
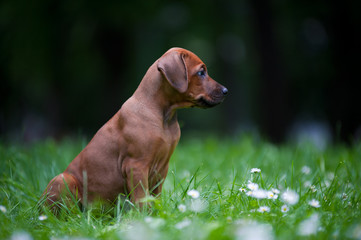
173 68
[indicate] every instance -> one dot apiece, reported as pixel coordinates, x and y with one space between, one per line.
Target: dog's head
187 74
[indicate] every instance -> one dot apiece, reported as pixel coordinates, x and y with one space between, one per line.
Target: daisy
252 186
43 217
21 235
249 193
193 193
263 209
198 205
272 195
327 183
152 222
183 224
290 197
3 209
309 226
275 190
182 208
306 170
284 208
330 175
251 229
307 184
313 188
242 189
344 197
255 170
259 194
314 203
148 219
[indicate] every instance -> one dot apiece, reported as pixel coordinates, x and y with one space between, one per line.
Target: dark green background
67 66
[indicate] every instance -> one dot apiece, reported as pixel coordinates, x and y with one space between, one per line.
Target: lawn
239 188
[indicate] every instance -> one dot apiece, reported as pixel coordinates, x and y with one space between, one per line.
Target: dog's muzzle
214 99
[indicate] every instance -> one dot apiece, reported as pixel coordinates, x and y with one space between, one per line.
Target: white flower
330 175
183 224
275 190
198 205
313 188
255 170
186 174
290 197
21 236
148 219
43 217
242 189
253 230
193 193
344 197
272 195
182 208
154 222
3 209
309 226
263 209
249 193
252 186
307 184
259 194
306 170
284 208
327 183
314 203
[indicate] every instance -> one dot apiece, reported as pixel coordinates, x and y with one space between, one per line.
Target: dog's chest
165 149
172 135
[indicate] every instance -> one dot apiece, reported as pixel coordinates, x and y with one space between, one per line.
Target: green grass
217 169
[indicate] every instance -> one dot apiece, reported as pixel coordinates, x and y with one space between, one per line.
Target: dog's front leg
157 184
137 182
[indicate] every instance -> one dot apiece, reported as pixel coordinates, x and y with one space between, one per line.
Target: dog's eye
201 73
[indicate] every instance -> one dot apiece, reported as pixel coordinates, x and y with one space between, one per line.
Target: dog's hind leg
62 189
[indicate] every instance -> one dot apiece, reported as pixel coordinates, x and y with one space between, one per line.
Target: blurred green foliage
69 65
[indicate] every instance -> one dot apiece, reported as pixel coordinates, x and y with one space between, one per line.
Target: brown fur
130 153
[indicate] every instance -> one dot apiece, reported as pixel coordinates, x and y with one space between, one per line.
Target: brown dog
130 153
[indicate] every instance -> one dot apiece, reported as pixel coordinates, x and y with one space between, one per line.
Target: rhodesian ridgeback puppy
129 155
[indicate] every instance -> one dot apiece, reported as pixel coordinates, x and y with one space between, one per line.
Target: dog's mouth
205 103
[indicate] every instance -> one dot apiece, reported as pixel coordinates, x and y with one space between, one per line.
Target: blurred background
291 67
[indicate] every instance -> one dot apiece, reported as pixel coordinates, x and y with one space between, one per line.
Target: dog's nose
224 91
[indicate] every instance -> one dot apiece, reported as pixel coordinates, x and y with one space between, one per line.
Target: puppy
129 155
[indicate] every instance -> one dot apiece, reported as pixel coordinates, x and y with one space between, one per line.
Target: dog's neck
154 93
